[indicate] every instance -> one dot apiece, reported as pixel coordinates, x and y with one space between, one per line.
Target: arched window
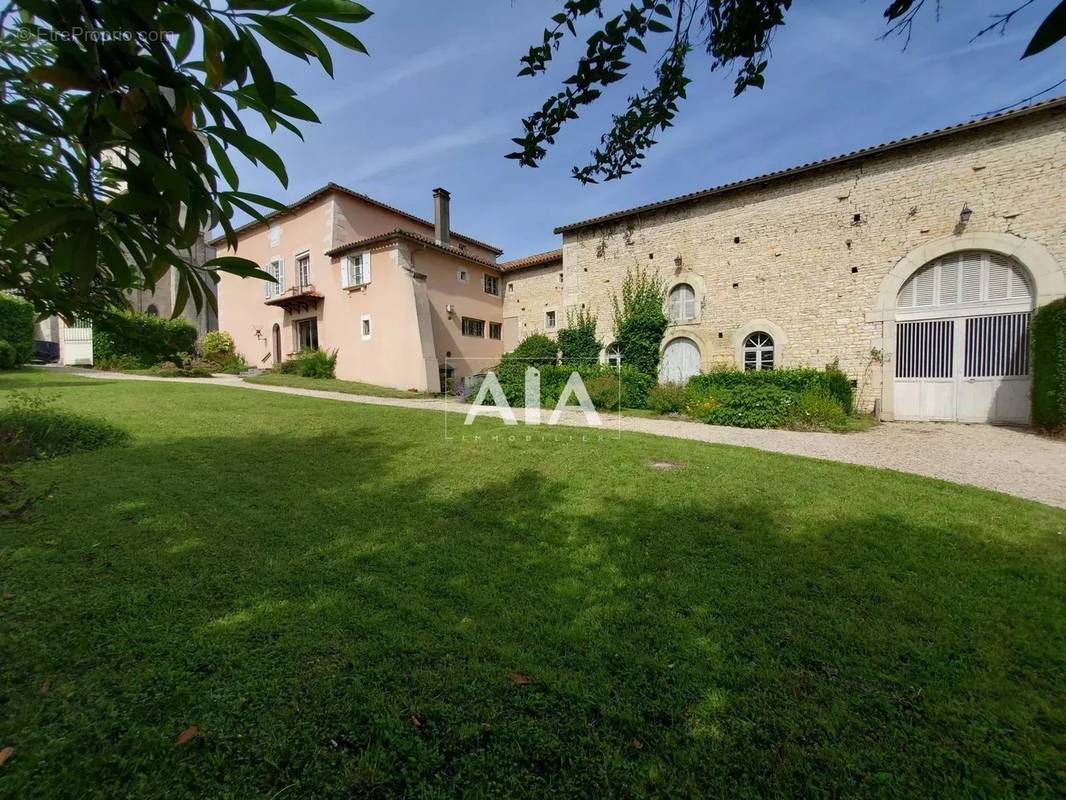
759 351
152 311
613 354
682 305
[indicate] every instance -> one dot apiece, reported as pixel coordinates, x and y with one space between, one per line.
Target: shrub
30 428
187 367
233 364
310 364
625 385
816 410
750 406
535 350
604 391
147 338
116 363
16 326
1049 366
577 341
830 381
639 320
8 355
217 346
667 398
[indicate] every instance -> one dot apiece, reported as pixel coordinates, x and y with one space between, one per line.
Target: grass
335 595
335 385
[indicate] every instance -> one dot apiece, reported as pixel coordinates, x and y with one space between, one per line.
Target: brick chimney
441 216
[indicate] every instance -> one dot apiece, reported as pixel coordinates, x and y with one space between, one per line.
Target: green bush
604 391
30 428
750 407
186 368
217 346
577 341
9 358
667 398
639 320
1049 366
233 364
309 364
624 384
16 326
116 363
816 410
147 338
535 350
830 381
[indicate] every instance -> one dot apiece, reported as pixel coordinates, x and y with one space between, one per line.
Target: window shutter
345 279
366 267
281 276
690 304
268 287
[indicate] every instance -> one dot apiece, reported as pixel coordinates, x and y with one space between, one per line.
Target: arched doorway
276 331
681 360
962 340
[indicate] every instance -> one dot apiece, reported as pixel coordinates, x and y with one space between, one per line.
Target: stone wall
806 257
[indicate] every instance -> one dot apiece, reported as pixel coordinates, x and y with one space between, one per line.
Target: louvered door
962 341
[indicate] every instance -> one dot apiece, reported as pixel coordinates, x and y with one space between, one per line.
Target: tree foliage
639 320
118 119
734 33
577 341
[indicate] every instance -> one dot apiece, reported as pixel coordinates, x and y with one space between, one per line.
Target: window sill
356 288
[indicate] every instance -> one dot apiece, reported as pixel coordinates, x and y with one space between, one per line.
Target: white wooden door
681 360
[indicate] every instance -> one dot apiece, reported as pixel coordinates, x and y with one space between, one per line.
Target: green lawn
335 385
334 594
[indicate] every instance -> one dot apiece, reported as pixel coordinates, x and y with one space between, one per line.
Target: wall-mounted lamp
965 214
677 261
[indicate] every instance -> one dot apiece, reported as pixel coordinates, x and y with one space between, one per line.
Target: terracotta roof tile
336 187
536 260
814 165
400 233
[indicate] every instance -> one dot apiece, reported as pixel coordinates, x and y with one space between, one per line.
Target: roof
536 260
855 155
336 187
400 233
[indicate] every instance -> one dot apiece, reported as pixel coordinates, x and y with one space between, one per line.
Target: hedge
16 326
1049 366
604 379
795 381
149 339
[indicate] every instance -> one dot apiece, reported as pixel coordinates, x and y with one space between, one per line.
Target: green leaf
182 296
242 267
339 35
41 224
262 77
340 10
254 149
223 162
1051 30
262 200
183 46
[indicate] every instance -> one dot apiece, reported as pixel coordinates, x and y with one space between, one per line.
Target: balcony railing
303 297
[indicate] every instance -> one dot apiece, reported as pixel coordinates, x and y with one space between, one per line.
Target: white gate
77 344
962 341
681 360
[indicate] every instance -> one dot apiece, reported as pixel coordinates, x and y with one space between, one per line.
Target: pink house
394 294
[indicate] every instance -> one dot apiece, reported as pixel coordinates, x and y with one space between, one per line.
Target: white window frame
612 355
764 354
510 287
366 329
462 275
492 280
555 319
355 275
299 279
681 309
275 267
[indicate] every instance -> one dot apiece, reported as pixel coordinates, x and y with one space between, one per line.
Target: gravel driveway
1002 459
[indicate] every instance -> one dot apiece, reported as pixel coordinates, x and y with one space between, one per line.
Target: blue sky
437 101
